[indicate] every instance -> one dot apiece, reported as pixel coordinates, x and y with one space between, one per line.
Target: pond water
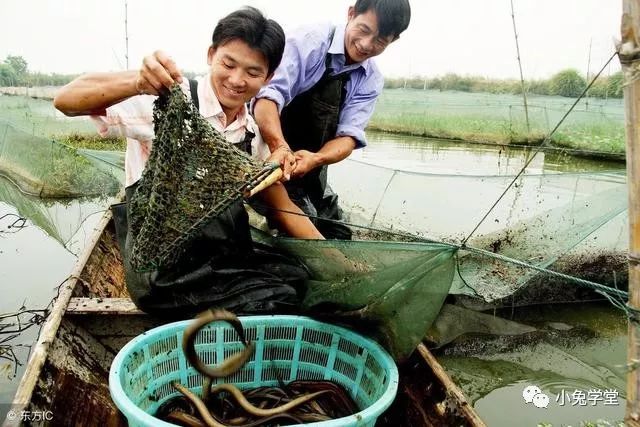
35 258
422 155
577 355
38 257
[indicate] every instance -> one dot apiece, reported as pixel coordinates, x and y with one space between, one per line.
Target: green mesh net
67 221
193 175
392 291
569 222
46 168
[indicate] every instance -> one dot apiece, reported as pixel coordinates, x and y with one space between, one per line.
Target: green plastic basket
287 348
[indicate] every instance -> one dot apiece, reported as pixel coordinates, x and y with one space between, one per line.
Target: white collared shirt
133 119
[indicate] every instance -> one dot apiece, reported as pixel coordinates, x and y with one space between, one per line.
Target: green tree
8 76
18 63
567 83
452 81
539 87
615 85
19 66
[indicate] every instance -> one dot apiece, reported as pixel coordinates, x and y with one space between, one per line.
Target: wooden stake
630 58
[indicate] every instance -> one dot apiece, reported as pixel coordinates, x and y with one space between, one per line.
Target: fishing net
67 221
46 168
392 291
193 174
570 222
38 117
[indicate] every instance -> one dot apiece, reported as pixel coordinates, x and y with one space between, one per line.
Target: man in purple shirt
315 108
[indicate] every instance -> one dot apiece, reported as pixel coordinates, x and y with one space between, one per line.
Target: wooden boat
93 318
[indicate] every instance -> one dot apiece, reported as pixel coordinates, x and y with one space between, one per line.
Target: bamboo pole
629 53
524 90
588 74
126 34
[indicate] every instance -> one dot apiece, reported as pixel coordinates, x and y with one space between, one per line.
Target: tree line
569 83
14 71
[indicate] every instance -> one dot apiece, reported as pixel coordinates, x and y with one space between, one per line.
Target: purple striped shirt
303 64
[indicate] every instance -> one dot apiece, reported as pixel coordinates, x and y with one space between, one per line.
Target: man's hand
283 156
306 161
158 73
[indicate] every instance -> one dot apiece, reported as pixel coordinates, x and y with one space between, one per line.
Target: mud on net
193 175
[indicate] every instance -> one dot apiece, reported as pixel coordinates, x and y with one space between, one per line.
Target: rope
544 143
375 213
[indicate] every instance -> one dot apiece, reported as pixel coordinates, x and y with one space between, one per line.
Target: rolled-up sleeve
131 118
358 108
301 67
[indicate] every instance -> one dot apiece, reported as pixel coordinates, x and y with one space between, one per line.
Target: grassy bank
596 127
93 142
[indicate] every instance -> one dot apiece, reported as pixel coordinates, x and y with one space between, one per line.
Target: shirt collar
338 57
210 106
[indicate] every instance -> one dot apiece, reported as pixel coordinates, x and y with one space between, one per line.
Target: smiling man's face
361 38
237 74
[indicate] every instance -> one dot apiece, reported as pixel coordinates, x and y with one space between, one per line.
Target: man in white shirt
237 72
246 49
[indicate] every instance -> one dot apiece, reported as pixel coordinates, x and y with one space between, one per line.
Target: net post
629 54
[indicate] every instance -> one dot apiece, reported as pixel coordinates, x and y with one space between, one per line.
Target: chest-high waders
308 122
222 267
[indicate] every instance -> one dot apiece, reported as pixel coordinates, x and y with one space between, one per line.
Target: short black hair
393 15
252 27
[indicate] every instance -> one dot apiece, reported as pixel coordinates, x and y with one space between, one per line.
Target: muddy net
574 223
392 285
193 175
392 282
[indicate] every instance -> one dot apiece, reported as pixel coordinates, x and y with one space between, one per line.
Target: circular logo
11 415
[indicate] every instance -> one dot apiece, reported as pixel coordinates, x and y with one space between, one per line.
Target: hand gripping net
193 175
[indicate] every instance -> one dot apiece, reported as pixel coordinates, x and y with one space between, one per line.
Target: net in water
46 168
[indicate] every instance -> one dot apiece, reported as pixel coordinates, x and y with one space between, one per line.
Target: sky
466 37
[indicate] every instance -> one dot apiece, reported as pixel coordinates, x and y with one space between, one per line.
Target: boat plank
73 384
111 306
452 389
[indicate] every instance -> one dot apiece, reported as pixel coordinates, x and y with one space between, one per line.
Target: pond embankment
594 129
43 92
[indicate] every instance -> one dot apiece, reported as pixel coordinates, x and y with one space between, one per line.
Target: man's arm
93 93
268 120
295 224
354 116
332 151
302 65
